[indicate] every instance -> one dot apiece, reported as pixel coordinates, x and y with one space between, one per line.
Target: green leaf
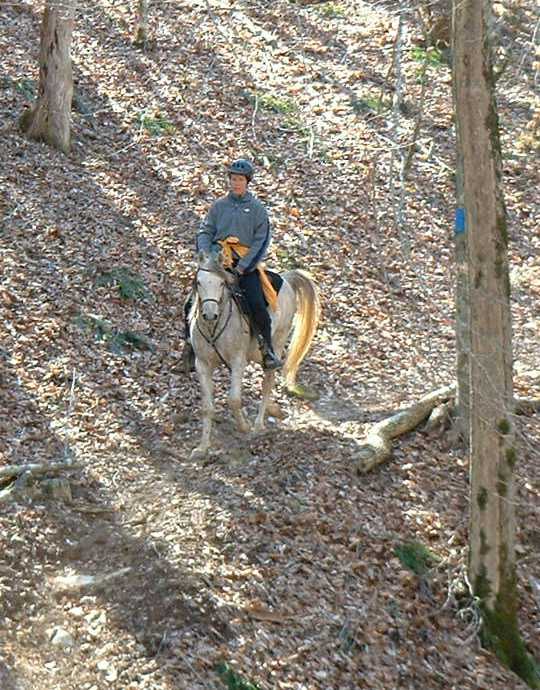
233 680
303 392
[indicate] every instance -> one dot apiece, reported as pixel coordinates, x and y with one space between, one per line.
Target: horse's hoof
274 410
259 428
198 453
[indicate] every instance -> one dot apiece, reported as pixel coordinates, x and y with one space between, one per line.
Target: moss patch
511 457
500 633
502 487
416 557
504 427
482 497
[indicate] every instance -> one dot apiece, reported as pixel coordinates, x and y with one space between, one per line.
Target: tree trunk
492 569
49 119
462 422
141 29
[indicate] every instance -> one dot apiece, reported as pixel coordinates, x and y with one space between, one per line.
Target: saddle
275 280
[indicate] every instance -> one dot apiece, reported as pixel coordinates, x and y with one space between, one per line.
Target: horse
220 334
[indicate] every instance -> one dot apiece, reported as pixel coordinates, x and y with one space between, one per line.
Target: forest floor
272 564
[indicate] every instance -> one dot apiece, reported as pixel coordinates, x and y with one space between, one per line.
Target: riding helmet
241 167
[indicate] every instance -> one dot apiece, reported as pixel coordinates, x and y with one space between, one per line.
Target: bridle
211 299
214 333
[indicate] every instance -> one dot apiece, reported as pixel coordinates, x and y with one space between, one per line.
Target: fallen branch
526 405
35 469
436 407
438 416
377 445
74 582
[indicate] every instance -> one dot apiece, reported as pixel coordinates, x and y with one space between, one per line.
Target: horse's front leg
267 388
235 395
204 373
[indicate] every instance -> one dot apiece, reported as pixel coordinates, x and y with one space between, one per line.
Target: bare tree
49 118
141 28
492 568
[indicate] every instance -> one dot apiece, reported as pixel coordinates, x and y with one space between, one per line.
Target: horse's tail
305 321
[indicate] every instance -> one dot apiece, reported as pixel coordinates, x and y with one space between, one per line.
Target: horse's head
212 285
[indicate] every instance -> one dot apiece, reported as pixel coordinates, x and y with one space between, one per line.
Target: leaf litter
273 565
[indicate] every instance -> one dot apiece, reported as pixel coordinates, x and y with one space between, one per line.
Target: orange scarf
231 246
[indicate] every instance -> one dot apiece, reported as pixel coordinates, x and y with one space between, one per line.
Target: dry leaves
274 557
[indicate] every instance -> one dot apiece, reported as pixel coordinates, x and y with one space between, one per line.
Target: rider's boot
270 360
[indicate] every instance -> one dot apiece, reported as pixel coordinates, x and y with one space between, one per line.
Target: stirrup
271 361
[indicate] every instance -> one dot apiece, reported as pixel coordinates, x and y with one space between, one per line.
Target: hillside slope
273 557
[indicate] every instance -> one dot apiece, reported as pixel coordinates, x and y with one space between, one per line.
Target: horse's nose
209 317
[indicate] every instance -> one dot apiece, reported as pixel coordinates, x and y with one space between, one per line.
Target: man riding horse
239 221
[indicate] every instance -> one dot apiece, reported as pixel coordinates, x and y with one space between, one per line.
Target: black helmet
241 167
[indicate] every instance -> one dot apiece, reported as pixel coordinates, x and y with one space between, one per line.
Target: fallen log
377 445
526 405
77 582
21 484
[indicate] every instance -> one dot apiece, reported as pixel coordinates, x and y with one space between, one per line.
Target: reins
214 337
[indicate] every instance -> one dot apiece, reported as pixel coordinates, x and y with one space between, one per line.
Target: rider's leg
250 284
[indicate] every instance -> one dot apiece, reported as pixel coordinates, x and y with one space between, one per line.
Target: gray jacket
243 217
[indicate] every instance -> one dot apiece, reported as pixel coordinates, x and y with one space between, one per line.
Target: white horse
220 334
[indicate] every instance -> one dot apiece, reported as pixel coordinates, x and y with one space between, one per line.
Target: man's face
238 184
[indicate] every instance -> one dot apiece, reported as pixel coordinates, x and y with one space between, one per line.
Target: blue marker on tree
460 224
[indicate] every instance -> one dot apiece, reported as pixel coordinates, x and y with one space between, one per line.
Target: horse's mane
211 262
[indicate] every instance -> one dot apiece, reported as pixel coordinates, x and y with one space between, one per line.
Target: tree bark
49 118
461 420
492 568
141 29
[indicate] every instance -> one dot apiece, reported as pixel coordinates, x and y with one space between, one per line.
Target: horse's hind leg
235 397
207 397
267 388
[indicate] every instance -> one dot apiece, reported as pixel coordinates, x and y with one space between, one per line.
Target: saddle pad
275 279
